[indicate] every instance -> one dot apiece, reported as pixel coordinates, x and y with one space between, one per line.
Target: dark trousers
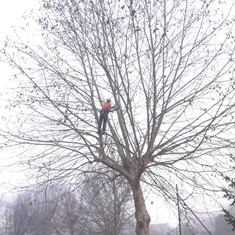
103 120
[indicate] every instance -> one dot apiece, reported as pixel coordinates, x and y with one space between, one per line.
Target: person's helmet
109 100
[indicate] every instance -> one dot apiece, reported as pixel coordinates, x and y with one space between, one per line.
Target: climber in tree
106 108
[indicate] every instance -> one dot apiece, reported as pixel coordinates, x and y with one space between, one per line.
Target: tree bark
141 213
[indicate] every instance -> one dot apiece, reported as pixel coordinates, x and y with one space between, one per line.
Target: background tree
168 67
229 194
221 227
107 199
28 214
102 208
69 215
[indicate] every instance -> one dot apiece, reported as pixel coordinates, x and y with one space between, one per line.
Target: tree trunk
141 213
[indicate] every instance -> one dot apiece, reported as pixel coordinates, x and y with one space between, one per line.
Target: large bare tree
168 67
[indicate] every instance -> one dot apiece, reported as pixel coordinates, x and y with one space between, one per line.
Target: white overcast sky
11 12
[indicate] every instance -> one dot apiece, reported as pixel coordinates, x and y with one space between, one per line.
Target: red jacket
106 106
